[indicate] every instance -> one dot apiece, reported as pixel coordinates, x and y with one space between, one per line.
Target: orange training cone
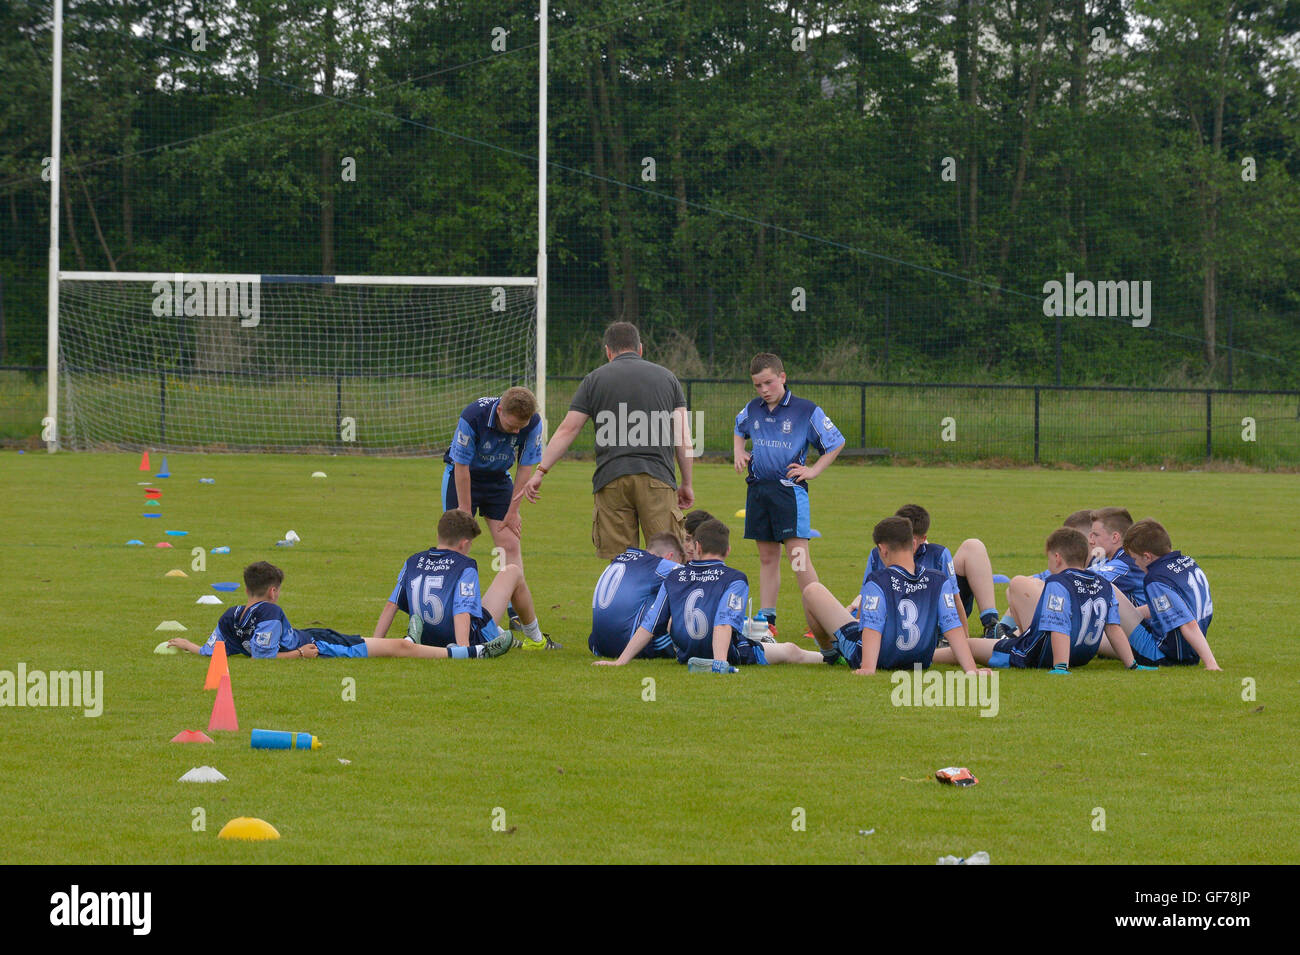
217 666
144 461
223 710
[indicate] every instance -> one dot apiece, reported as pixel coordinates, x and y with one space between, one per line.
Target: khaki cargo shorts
630 500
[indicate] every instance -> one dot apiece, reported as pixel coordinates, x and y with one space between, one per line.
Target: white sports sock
533 631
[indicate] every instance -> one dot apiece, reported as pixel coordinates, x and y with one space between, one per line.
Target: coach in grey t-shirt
639 411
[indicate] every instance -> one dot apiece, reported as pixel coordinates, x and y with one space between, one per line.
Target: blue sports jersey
699 596
1127 576
626 588
1177 592
436 585
910 612
781 437
259 631
1079 604
928 556
490 452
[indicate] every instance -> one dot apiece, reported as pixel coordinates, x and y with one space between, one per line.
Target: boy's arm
721 641
870 652
307 651
1191 632
182 644
961 649
1119 643
462 488
803 472
385 621
1060 649
462 629
512 520
739 454
634 646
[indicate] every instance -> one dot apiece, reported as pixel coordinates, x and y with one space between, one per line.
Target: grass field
581 765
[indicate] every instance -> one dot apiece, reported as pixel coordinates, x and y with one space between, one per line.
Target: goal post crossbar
426 280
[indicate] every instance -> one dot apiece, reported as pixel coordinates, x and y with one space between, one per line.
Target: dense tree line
875 189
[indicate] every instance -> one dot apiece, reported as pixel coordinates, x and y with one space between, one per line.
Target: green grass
585 769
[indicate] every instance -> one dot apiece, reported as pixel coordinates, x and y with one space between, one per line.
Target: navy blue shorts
745 652
331 643
848 639
967 595
776 512
491 499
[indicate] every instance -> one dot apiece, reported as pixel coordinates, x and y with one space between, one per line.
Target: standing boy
780 428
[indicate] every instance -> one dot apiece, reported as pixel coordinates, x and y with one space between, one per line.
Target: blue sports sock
457 652
769 613
1009 620
985 615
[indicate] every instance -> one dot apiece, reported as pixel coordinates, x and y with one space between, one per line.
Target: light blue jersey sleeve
532 451
398 596
464 443
1054 612
742 423
949 596
467 599
1168 609
822 433
206 649
658 607
872 611
731 608
266 639
1112 612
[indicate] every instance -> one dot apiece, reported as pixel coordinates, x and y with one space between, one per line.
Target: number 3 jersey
909 611
698 596
1077 603
1177 593
434 586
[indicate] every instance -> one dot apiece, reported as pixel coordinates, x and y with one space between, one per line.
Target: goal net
287 363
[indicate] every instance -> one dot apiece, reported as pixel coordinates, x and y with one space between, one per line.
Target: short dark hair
764 360
621 337
894 532
713 537
1148 536
1070 544
261 577
919 517
695 518
661 545
1079 520
456 525
1116 520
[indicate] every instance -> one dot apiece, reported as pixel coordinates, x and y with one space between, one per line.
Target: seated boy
439 588
1063 620
1179 607
970 568
902 611
625 589
692 521
260 629
705 600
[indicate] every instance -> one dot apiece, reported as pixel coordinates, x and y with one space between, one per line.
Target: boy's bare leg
389 647
972 562
796 549
824 613
980 649
1022 595
509 587
769 572
789 653
507 540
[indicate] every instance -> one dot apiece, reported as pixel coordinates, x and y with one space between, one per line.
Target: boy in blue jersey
970 568
439 589
491 435
780 428
1064 619
1112 561
902 611
625 590
705 601
690 523
1179 608
260 629
1080 521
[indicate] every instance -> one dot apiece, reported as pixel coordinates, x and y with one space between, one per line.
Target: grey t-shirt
635 438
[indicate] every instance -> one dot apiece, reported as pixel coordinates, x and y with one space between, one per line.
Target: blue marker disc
225 585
